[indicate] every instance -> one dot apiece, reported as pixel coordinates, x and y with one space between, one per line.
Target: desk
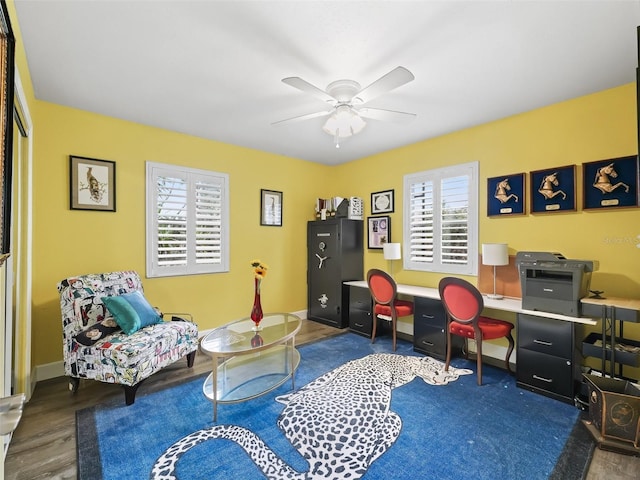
548 353
506 304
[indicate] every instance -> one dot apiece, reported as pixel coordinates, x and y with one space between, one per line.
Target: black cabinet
360 306
548 357
429 329
334 256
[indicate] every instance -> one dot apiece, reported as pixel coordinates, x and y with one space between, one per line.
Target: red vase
256 311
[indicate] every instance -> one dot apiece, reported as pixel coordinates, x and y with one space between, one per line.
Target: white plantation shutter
187 221
441 219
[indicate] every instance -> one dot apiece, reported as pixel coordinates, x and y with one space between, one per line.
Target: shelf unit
613 314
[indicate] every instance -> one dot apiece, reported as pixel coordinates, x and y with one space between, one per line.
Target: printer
552 283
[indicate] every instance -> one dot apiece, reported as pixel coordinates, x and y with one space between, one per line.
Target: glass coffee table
247 364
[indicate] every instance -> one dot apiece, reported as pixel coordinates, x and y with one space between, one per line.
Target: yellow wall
590 128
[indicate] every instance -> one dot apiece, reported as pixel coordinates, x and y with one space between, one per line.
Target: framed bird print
92 184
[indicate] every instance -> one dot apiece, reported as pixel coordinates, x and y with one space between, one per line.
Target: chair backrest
382 286
462 300
80 298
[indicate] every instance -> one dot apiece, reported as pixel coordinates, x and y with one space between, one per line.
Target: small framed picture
270 208
92 184
382 202
610 183
378 231
506 195
553 190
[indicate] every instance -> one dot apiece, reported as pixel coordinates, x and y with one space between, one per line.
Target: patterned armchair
95 343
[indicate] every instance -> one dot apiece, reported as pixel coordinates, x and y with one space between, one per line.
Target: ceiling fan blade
386 115
306 87
303 117
394 79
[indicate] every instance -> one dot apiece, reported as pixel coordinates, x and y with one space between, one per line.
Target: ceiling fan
346 101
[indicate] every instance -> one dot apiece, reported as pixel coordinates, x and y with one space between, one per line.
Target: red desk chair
463 304
384 291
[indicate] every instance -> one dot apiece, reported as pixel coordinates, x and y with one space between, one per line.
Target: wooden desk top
630 303
506 304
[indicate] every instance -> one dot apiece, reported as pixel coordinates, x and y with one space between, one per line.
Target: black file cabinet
548 357
360 306
429 329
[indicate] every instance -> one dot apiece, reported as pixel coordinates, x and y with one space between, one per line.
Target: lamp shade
495 254
391 251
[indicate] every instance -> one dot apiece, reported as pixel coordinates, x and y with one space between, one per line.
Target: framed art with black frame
382 202
270 208
378 231
506 195
553 190
92 184
611 183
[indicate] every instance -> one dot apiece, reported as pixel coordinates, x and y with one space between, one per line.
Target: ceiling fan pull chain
337 138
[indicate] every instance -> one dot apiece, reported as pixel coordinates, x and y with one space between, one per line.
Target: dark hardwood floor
44 445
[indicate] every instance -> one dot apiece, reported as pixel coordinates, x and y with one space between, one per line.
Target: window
441 220
187 221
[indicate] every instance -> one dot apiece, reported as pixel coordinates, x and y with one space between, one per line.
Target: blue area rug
458 430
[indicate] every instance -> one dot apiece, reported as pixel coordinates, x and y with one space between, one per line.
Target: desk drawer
430 340
429 311
545 335
545 372
360 322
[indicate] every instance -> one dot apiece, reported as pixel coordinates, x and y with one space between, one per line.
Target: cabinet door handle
548 380
430 344
359 325
543 342
424 315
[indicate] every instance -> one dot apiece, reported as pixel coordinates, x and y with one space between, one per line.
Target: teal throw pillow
131 311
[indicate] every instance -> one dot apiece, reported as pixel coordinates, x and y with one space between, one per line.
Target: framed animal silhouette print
611 183
506 195
92 184
553 190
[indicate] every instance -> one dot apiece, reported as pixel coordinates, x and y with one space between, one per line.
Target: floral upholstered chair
111 334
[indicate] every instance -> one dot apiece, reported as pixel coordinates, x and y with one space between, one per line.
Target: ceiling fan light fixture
344 122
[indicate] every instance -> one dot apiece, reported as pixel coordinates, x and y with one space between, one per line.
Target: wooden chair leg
448 359
510 349
479 359
375 324
393 327
191 358
130 393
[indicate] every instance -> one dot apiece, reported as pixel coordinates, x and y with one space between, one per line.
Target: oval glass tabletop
237 337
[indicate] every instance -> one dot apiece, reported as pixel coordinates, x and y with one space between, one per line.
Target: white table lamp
391 252
495 254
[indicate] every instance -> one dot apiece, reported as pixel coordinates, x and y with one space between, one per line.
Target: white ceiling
213 69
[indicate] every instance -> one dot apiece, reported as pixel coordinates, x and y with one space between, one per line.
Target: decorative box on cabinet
334 256
360 318
548 357
429 329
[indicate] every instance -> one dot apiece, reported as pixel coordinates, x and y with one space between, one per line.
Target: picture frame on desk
553 190
611 183
506 195
378 231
